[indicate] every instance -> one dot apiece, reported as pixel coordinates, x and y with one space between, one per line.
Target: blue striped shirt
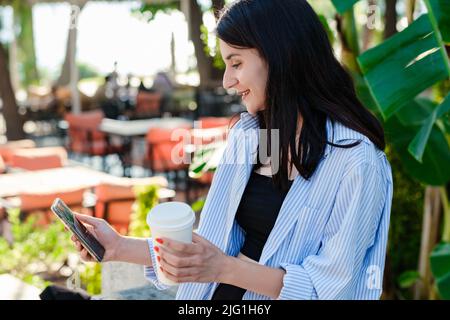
331 232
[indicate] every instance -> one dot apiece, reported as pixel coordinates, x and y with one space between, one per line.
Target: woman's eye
236 65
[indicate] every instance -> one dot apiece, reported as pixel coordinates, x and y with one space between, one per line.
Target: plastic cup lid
171 215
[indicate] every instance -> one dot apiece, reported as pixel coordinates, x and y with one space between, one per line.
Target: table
44 181
139 128
127 130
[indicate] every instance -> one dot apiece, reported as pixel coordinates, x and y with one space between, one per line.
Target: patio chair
39 158
148 104
85 137
38 203
115 199
7 149
159 153
213 122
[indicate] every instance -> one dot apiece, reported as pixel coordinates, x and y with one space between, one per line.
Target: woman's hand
103 232
200 261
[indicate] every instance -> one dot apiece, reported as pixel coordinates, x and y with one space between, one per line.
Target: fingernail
157 249
159 241
159 258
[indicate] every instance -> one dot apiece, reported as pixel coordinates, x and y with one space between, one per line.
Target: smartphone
86 238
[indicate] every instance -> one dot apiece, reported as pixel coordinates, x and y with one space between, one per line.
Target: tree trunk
410 8
23 18
14 123
430 232
64 78
390 18
209 75
348 35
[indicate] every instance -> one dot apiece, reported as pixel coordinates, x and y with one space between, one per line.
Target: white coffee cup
173 220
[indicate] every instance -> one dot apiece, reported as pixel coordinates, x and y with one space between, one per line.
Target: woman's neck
266 168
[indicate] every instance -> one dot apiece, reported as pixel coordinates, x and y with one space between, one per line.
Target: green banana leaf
440 267
434 168
417 112
439 11
206 158
343 5
417 147
404 65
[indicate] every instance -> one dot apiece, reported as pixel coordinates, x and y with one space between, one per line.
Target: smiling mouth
243 94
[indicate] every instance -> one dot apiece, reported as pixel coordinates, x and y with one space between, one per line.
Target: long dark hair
304 78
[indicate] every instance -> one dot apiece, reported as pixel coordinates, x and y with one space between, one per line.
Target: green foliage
343 5
408 278
440 266
215 54
197 206
406 221
148 11
87 71
146 199
91 277
34 250
403 62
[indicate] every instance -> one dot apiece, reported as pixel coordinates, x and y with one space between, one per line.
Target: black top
256 214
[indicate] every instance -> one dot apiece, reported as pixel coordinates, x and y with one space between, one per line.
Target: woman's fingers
96 222
85 255
179 261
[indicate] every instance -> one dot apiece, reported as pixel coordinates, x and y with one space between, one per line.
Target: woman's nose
228 82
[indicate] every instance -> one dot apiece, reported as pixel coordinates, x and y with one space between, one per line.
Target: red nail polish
156 249
159 241
159 258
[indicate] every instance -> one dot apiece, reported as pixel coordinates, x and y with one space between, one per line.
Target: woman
308 224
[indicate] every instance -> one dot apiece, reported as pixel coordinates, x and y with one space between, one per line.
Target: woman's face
246 72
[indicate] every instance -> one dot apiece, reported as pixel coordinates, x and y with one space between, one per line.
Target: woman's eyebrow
231 56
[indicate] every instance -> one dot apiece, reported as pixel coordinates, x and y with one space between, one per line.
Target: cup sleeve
150 272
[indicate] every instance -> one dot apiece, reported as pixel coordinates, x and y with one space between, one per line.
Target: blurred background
91 93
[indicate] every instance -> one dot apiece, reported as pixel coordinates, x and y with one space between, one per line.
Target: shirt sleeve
150 273
354 243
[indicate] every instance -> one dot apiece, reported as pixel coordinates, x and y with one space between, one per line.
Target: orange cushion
8 148
34 201
213 122
122 188
39 158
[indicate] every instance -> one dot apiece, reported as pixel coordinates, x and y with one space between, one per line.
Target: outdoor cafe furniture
115 199
148 104
35 190
7 149
213 122
86 139
2 165
130 130
38 158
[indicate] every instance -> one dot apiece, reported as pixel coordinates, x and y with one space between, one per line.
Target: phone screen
88 241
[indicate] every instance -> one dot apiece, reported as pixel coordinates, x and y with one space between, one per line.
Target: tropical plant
37 254
398 74
146 199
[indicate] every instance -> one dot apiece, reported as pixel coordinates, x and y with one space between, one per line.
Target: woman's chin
252 110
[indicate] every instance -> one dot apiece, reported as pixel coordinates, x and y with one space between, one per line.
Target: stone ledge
147 292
